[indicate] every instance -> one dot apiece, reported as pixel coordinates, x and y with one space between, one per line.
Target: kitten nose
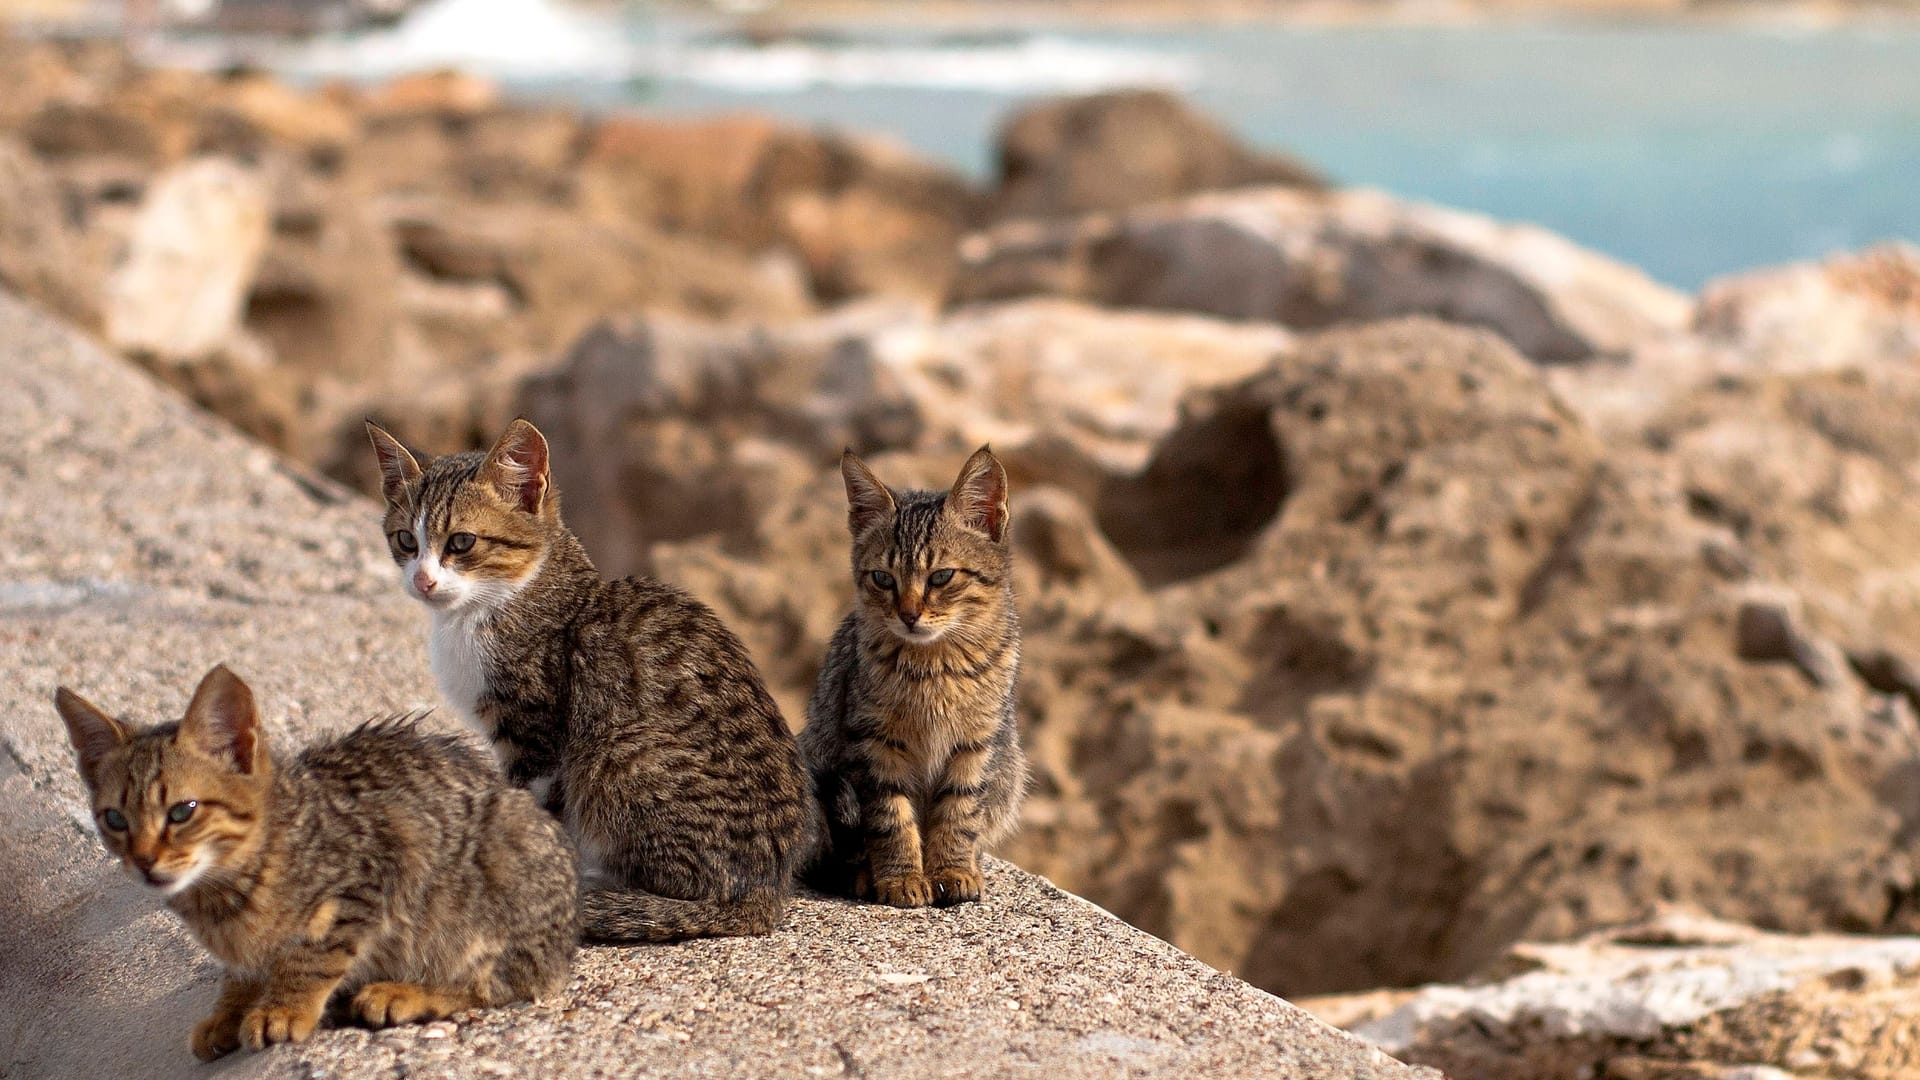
909 616
142 863
423 582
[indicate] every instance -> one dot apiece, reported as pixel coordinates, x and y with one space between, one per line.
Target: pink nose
422 582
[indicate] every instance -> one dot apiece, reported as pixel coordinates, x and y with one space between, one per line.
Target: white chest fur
459 660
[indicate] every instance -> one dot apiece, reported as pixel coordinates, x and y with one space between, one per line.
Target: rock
445 93
1853 310
314 123
39 247
195 546
684 429
1311 259
1674 997
178 295
562 273
1117 150
862 214
1358 665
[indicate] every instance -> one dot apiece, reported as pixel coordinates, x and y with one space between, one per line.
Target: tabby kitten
389 861
910 735
626 706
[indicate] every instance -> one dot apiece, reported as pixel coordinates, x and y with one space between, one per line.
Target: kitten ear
980 495
93 733
517 466
222 722
868 500
397 467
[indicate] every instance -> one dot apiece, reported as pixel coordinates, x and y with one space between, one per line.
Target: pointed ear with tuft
93 733
222 722
517 467
868 500
397 467
980 495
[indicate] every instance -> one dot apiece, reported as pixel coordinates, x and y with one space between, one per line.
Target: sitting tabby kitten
910 735
633 714
389 861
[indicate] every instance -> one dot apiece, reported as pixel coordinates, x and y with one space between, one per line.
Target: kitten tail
626 916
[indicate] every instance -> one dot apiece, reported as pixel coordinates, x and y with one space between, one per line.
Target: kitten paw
908 891
216 1036
267 1026
956 885
385 1004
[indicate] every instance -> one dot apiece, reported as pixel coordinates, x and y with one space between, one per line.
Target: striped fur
637 717
911 738
389 861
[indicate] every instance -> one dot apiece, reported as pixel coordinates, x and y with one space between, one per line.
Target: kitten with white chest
626 706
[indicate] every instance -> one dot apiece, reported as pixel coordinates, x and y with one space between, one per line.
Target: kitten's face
172 802
931 566
465 537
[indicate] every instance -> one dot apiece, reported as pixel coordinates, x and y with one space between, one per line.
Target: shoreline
1031 15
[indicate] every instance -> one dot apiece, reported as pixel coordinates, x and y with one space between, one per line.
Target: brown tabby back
626 706
389 862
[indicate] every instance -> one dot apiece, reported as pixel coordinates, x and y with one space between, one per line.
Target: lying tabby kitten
389 861
910 735
627 707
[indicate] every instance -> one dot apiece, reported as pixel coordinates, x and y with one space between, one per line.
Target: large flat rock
141 542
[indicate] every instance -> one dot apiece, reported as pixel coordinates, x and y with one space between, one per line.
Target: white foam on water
540 39
1021 65
509 39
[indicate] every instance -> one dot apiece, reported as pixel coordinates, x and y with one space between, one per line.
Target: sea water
1690 150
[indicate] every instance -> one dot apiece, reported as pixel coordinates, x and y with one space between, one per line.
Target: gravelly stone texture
141 542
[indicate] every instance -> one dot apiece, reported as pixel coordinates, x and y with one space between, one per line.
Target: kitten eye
179 812
882 579
115 820
939 578
461 543
405 542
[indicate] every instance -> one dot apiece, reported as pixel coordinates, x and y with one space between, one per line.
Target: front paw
264 1027
385 1004
956 885
216 1036
909 890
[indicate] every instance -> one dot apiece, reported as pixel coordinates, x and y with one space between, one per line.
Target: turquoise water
1690 151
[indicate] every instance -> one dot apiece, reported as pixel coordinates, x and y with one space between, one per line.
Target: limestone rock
1676 996
1117 150
1854 310
39 247
668 429
193 546
863 214
1311 259
179 294
1357 669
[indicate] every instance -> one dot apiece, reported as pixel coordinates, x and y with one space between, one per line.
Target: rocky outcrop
1853 310
39 247
1108 152
863 215
160 543
412 250
700 428
1349 660
1312 259
1676 996
178 294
